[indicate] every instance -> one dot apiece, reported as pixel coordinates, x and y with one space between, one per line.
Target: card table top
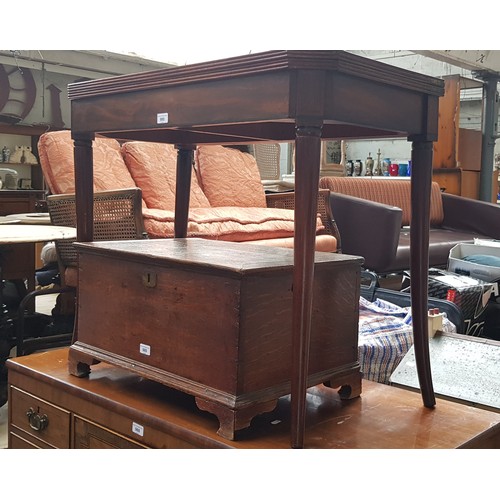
34 233
28 218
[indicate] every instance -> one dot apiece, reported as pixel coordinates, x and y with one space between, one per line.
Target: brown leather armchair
373 217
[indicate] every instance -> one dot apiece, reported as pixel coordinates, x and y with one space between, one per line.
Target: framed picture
24 183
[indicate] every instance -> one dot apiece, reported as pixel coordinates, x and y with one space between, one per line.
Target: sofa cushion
323 243
225 223
153 167
229 177
57 163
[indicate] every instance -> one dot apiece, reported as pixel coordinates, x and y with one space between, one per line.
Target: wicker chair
287 200
267 156
117 216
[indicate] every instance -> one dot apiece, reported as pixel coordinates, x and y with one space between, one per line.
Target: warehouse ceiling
473 60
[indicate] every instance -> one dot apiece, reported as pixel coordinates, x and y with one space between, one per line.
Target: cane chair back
117 216
267 156
287 200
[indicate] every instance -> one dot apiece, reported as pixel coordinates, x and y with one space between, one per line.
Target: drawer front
19 440
91 436
38 418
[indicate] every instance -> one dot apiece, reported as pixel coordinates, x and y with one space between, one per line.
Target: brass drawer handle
37 422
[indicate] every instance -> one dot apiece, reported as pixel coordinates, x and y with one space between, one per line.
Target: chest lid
238 258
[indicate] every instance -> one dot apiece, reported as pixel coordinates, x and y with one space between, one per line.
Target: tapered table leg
183 188
419 263
84 186
307 160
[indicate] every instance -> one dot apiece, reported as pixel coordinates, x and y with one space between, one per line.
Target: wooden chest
214 319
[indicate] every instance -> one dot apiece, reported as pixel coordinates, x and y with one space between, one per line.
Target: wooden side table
279 96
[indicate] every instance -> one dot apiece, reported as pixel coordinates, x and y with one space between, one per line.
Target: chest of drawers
14 201
115 408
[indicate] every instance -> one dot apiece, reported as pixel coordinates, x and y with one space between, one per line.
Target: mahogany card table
280 96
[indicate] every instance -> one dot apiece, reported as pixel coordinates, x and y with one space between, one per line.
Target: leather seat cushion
441 241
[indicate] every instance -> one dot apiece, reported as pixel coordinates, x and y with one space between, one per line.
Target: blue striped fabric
385 335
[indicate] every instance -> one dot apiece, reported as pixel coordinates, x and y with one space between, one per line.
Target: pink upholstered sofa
227 199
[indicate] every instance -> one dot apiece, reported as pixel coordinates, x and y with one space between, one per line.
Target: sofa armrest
287 200
367 228
470 215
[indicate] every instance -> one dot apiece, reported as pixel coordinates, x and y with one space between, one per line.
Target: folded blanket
385 336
